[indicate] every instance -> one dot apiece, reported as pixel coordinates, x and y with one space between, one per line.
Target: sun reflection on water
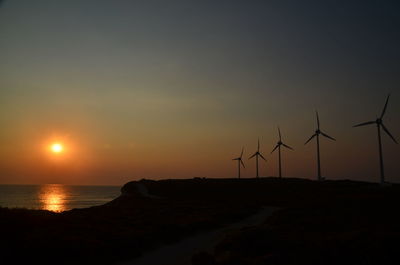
52 197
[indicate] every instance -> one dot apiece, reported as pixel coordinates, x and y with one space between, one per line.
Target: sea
56 197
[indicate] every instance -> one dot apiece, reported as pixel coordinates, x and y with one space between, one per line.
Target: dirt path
181 252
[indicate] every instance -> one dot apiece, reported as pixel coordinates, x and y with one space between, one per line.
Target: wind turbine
316 134
240 162
278 145
257 154
379 125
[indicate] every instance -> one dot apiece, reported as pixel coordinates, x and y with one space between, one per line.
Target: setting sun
57 148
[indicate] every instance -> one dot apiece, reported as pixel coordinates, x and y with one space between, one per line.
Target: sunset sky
174 89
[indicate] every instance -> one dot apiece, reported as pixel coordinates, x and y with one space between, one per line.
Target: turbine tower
278 145
240 162
379 125
316 134
257 154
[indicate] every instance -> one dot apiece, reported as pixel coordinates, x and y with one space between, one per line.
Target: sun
57 148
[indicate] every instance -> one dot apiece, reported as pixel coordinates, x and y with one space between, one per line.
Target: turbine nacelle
257 154
317 133
280 143
278 146
380 125
379 122
240 160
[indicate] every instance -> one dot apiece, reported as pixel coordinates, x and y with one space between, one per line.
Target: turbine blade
275 148
365 123
384 108
241 162
253 156
387 131
327 136
287 146
280 136
258 146
263 157
241 154
317 119
310 138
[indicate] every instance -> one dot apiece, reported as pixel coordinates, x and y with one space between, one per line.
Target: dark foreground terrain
331 222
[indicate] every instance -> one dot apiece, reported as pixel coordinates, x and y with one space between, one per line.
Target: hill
326 222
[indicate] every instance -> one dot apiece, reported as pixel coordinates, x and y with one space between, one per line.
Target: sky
174 89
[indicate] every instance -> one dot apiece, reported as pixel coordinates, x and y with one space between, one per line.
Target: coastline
56 197
172 211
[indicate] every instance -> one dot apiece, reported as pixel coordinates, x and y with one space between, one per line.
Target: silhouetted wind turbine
278 145
316 134
379 124
240 162
257 154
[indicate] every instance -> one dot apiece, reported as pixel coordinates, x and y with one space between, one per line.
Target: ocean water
55 197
